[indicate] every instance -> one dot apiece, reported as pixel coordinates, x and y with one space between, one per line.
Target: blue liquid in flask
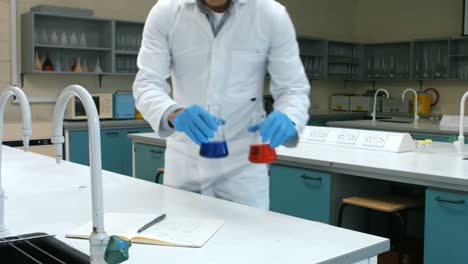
214 149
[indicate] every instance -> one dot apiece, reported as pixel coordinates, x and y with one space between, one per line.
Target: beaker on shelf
216 146
260 152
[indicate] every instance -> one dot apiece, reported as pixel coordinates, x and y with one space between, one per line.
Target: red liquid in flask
262 154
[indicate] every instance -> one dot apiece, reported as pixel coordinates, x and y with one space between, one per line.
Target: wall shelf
71 48
115 42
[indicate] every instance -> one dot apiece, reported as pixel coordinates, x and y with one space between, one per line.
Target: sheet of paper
184 231
172 230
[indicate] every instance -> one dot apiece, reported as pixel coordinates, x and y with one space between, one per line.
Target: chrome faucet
27 132
374 113
416 108
98 239
461 136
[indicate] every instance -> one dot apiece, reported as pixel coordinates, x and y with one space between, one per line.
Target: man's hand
195 122
277 128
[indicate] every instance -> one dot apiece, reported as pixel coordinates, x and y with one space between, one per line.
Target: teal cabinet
148 159
127 146
435 138
116 148
300 192
78 149
111 150
446 228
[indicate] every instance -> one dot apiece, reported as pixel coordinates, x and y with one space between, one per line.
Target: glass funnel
260 152
216 147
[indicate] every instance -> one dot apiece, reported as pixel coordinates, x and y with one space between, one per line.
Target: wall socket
375 140
347 137
355 138
317 134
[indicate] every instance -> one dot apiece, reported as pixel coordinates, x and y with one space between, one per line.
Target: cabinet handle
112 133
156 151
309 178
439 199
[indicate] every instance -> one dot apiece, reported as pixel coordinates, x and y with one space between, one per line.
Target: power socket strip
355 138
317 134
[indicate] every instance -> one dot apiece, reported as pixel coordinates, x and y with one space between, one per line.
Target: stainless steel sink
39 248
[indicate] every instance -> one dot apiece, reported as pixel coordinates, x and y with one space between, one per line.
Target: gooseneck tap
98 238
461 136
416 108
374 113
27 132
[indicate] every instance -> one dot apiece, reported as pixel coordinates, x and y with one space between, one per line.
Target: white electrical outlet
363 139
317 134
347 137
375 140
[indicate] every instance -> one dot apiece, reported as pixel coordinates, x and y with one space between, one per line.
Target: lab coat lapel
203 22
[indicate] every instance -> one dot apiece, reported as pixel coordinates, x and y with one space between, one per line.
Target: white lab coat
229 70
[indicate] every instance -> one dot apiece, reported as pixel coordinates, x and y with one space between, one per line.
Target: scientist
218 52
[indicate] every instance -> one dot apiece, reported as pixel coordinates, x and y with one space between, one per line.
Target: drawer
446 227
300 192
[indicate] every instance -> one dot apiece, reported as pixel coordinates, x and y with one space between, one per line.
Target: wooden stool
388 203
160 171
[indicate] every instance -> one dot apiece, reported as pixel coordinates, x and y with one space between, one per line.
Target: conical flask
216 147
260 152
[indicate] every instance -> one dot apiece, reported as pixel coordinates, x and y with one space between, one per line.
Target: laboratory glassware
216 147
97 68
260 152
54 39
48 66
44 37
83 40
73 40
64 39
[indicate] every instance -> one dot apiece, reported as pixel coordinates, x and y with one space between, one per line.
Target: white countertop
424 126
46 197
439 167
106 124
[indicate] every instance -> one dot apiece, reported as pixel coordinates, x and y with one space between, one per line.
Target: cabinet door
78 147
299 192
127 148
446 228
147 160
112 150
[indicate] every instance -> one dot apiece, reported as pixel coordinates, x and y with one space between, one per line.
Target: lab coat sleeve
151 89
289 85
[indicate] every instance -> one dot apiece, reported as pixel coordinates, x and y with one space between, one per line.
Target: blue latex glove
197 123
277 128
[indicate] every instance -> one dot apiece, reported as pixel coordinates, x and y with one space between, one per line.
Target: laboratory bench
321 118
310 180
116 147
425 129
55 198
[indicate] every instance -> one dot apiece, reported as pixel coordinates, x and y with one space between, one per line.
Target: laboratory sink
39 248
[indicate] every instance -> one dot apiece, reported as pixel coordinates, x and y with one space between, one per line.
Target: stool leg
402 236
157 177
340 214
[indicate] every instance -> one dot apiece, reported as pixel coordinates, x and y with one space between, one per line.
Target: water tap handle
117 250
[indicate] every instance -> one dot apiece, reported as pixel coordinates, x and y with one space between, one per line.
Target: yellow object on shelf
138 114
424 103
